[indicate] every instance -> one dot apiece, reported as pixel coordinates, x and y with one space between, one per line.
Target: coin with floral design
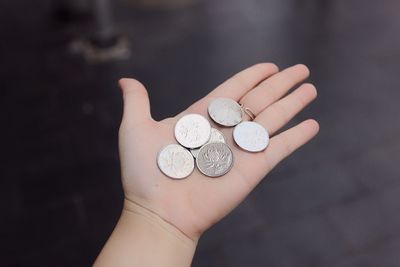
214 159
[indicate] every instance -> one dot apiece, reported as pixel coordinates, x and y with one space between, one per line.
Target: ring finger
273 88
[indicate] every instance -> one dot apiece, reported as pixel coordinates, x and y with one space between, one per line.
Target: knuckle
287 145
282 112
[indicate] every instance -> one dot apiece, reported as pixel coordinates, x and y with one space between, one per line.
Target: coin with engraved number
251 136
225 111
216 137
192 131
175 161
214 159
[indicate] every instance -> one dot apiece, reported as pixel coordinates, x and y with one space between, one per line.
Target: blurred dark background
334 203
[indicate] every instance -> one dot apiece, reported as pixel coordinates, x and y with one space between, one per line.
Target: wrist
141 212
142 238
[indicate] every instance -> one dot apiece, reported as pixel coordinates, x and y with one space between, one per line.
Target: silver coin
214 159
192 130
175 161
216 137
251 136
225 111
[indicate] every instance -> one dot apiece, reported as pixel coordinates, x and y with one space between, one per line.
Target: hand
194 204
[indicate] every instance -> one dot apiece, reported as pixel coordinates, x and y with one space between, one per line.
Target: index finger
236 86
242 82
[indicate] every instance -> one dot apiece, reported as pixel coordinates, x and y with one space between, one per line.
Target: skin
163 219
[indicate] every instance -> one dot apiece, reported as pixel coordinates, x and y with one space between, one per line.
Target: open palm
194 204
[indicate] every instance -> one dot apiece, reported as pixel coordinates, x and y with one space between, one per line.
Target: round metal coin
225 111
251 136
216 137
175 161
214 159
192 130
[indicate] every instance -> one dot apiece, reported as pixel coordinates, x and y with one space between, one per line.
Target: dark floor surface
335 203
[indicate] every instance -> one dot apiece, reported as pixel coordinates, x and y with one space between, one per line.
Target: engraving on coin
225 111
251 136
216 137
175 161
214 159
192 131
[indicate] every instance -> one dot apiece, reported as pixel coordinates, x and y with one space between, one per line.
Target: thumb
136 100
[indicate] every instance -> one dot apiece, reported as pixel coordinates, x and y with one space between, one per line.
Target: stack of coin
197 142
206 147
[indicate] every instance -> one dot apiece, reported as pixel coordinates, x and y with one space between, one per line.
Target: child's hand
194 204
